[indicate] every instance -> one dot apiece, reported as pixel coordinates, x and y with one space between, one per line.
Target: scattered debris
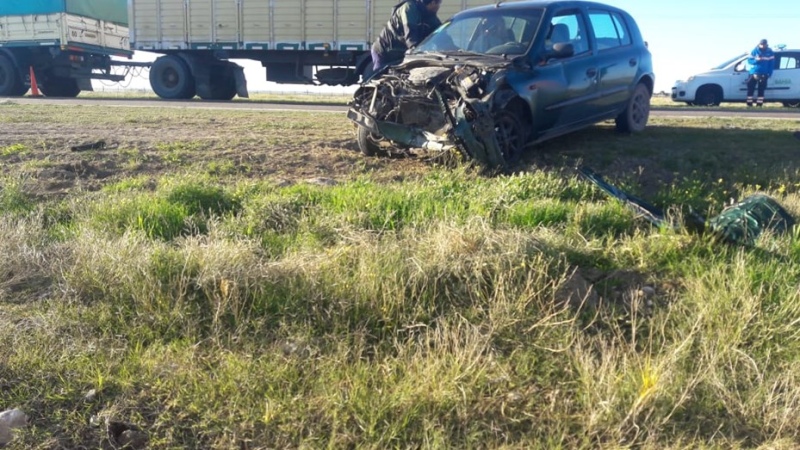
91 395
126 435
99 145
9 420
741 223
319 181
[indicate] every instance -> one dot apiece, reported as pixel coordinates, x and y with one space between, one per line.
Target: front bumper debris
470 131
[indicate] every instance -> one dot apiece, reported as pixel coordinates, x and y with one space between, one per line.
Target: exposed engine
431 107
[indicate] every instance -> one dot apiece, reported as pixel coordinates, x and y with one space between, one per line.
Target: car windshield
727 63
493 32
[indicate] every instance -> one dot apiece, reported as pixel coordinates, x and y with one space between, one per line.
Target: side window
569 27
610 29
788 62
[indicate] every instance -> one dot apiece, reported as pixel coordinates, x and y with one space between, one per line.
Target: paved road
767 113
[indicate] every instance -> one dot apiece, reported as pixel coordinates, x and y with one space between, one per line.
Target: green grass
217 309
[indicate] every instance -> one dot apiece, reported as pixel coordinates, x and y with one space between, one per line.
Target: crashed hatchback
494 79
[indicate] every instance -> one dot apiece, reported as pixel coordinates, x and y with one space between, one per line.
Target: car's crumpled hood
437 103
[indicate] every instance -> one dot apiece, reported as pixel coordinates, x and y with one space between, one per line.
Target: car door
617 59
784 84
737 82
565 88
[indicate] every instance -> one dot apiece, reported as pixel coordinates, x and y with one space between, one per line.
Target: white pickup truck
727 82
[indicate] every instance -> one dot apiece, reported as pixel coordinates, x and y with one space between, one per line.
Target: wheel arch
716 88
508 99
648 81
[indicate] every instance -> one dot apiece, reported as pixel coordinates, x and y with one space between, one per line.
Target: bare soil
58 149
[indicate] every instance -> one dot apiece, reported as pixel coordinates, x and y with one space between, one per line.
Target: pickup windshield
727 63
488 32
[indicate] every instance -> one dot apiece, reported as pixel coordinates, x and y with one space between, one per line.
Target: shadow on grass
676 163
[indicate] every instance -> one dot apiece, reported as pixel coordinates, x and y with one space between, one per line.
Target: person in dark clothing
410 23
761 61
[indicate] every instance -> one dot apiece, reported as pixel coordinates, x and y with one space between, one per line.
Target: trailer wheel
10 82
60 87
221 84
223 89
171 78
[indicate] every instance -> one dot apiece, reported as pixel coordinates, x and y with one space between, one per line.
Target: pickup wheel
10 82
60 87
368 143
708 96
634 118
171 78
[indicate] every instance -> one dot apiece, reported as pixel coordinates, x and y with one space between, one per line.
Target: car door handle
591 73
632 62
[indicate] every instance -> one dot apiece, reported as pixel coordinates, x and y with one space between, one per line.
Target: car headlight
690 78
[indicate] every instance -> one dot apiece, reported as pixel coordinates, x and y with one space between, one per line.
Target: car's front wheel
510 135
368 142
634 118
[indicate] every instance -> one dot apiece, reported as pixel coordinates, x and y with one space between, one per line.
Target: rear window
788 62
610 29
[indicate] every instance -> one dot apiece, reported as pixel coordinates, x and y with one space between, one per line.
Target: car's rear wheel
368 142
708 96
510 135
792 104
634 118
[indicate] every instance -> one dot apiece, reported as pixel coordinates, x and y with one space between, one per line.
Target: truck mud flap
241 81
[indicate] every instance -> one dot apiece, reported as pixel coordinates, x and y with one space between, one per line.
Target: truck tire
10 83
60 87
223 89
634 118
171 78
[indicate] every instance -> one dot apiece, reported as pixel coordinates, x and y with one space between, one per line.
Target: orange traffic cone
34 85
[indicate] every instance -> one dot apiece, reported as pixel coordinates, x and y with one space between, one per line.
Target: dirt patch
57 151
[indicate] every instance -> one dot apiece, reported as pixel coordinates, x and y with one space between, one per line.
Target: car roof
545 4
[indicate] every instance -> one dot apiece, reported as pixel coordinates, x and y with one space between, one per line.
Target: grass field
247 280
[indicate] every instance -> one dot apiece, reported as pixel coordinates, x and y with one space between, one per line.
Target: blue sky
688 37
685 36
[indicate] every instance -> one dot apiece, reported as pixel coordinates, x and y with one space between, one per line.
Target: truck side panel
200 23
266 24
25 30
64 29
226 23
289 21
256 25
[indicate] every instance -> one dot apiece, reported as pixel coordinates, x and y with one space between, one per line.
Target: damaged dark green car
495 79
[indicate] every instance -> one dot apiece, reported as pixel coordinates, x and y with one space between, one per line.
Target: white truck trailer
67 43
297 41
